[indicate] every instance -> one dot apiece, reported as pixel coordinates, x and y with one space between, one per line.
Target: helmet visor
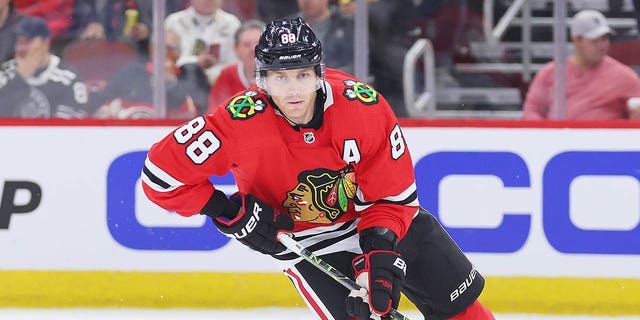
290 82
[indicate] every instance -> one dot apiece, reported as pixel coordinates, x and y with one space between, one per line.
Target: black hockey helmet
288 44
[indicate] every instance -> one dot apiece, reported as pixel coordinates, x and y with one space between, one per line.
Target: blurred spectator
56 13
129 94
35 84
96 61
127 20
443 23
85 22
9 18
597 86
72 20
390 24
334 29
243 9
65 18
207 35
240 75
274 9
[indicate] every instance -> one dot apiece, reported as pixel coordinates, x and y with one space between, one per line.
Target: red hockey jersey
355 165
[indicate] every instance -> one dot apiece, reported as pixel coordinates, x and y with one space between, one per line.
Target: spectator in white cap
590 24
590 33
597 86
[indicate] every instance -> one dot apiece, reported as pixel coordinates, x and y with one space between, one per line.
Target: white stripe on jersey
314 236
401 198
329 101
309 296
160 174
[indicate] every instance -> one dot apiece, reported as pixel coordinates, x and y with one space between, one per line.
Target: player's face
294 92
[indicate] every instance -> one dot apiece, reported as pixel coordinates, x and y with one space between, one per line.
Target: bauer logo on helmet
295 56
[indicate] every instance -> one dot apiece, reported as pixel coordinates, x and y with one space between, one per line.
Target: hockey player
320 155
36 84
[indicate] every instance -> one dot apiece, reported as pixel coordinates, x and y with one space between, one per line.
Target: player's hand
380 274
256 225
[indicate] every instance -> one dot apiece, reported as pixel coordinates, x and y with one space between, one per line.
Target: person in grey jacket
35 84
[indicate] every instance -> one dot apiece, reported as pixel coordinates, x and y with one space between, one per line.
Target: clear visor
290 82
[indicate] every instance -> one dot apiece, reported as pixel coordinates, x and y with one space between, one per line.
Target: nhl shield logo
309 137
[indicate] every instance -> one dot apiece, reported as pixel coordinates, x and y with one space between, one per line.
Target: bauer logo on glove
256 225
251 224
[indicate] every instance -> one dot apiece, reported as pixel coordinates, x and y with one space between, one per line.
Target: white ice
247 314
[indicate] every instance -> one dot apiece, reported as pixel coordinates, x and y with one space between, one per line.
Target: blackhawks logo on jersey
245 106
321 195
357 90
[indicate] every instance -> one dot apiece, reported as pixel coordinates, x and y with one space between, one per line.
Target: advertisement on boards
519 201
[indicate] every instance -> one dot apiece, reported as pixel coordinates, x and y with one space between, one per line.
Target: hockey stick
296 247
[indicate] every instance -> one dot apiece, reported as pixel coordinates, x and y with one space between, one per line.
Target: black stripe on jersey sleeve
155 179
412 197
357 202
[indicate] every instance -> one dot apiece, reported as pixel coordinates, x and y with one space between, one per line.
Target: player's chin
294 114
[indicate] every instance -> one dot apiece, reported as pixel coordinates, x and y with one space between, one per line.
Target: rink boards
551 215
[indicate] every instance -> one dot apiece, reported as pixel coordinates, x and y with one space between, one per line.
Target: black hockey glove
251 221
380 274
